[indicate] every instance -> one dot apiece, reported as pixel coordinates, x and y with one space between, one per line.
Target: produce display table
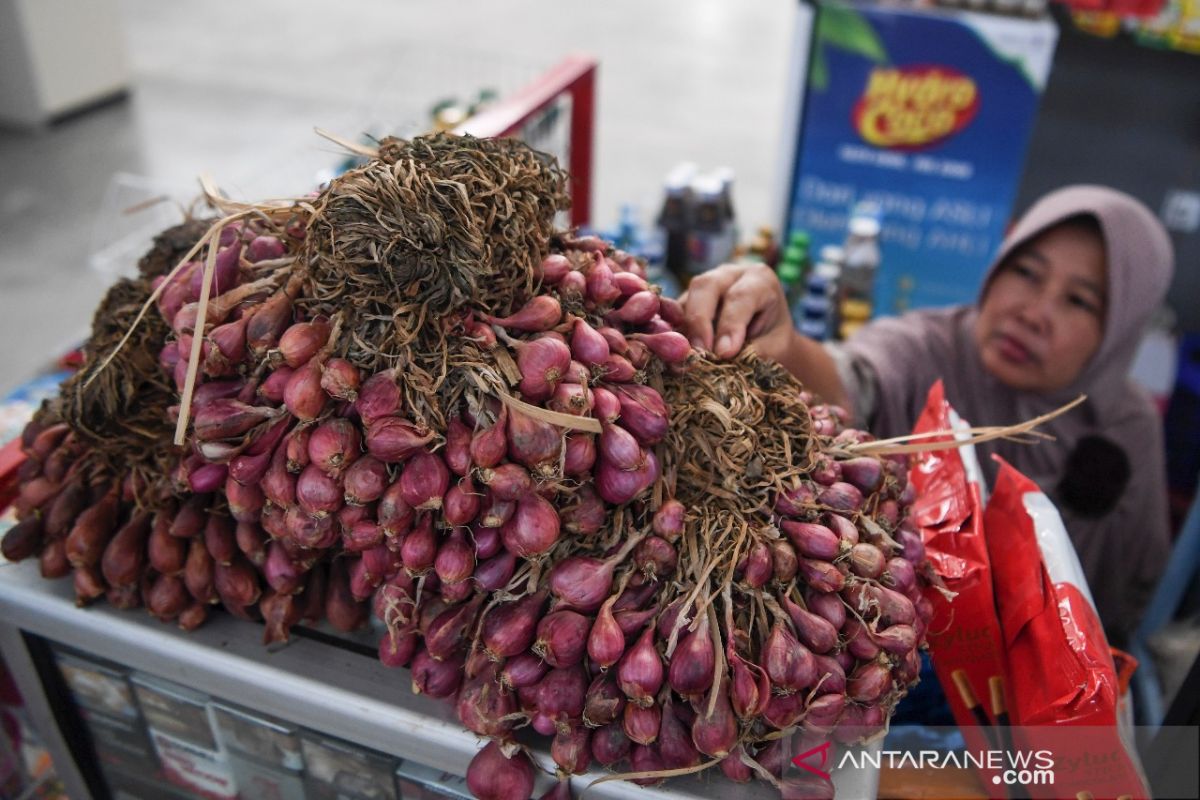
317 684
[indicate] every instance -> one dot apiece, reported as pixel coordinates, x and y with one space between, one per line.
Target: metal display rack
316 684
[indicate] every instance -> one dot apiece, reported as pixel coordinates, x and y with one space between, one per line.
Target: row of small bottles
832 297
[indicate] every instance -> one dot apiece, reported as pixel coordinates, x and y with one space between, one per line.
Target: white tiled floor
235 89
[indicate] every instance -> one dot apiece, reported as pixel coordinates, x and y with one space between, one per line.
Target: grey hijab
1124 548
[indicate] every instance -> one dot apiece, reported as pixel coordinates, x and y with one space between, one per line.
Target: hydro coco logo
910 108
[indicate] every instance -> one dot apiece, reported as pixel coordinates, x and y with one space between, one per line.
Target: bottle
628 233
854 314
768 246
862 258
725 175
712 235
675 217
817 314
793 269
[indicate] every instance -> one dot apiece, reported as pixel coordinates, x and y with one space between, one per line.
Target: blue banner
928 115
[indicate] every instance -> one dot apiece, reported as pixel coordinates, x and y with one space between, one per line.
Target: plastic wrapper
1061 671
1015 638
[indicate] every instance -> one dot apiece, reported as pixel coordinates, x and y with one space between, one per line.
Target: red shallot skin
25 539
572 286
510 628
220 538
542 363
523 670
52 561
458 447
92 531
302 340
341 380
438 679
534 527
553 268
487 540
455 561
605 701
715 732
379 397
693 663
640 671
272 389
489 444
165 553
642 723
541 313
342 610
280 612
588 346
462 503
121 564
449 632
580 456
424 481
493 776
606 640
562 638
64 509
750 688
507 481
535 444
334 445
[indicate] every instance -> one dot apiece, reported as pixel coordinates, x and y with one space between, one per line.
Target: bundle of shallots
411 398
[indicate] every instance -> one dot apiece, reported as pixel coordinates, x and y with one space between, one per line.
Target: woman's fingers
741 299
749 310
703 298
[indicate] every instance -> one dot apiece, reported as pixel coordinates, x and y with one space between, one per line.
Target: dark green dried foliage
433 226
121 412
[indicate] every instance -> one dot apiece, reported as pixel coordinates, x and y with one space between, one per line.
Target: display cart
315 681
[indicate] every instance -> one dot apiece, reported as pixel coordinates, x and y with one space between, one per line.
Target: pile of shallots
569 554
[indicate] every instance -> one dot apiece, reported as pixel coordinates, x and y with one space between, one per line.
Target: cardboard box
419 782
177 721
257 781
105 700
263 752
338 770
125 786
257 736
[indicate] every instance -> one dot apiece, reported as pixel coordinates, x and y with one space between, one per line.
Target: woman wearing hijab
1060 313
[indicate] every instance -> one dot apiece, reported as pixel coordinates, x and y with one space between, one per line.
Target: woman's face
1042 318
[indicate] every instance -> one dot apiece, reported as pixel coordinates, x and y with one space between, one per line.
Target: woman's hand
739 304
736 304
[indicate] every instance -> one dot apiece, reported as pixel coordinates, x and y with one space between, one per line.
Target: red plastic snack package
965 640
1061 671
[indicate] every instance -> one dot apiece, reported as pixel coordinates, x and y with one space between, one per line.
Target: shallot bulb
533 443
583 583
334 445
541 313
494 776
542 364
379 397
693 662
588 346
640 672
424 481
341 380
534 527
